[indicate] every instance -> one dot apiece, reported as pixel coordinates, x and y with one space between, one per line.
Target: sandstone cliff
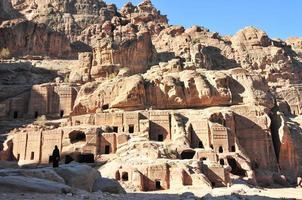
163 106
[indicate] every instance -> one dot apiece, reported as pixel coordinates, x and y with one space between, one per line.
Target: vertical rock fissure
275 126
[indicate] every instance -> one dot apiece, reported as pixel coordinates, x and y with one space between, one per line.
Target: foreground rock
30 184
49 180
78 176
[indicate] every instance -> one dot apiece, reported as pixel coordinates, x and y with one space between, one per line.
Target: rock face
131 53
159 106
28 38
175 90
82 73
47 180
7 11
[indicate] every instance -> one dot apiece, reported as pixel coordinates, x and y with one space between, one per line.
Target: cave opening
107 149
131 129
160 137
187 154
236 169
105 107
221 161
115 129
32 155
68 159
61 113
200 145
158 185
220 149
233 148
125 176
275 125
36 115
15 114
77 136
86 158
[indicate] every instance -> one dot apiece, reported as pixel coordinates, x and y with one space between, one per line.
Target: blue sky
279 18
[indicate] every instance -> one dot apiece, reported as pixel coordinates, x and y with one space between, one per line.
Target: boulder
108 185
78 176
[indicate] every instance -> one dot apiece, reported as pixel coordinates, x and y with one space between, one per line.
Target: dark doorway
220 149
105 107
187 154
68 159
61 113
107 149
233 148
211 146
158 185
77 136
200 145
160 137
18 157
15 114
86 158
32 155
36 114
236 169
131 128
221 161
125 176
115 129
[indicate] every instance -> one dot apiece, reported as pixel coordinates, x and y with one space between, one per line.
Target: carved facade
46 99
102 134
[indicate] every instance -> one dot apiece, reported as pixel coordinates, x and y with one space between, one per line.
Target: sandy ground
233 193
